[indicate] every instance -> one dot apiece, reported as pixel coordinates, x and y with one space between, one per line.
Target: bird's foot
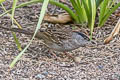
68 56
56 56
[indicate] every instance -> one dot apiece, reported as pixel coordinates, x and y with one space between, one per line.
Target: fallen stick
113 33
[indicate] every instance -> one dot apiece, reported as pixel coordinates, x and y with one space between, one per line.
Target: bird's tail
18 30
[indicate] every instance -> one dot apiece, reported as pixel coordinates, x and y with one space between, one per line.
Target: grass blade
98 2
42 13
103 9
2 1
104 19
93 7
86 10
13 8
14 35
12 17
17 41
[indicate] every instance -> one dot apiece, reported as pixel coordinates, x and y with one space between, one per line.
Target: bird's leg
69 55
55 55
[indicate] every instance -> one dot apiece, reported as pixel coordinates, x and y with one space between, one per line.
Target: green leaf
14 35
12 17
87 10
103 9
98 2
17 41
2 1
93 7
82 14
75 6
13 8
104 19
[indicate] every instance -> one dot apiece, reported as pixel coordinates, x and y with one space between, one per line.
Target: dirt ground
100 62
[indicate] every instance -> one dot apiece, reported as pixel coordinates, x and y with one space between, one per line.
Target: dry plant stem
114 32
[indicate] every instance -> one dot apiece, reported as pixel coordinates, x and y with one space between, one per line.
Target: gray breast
77 40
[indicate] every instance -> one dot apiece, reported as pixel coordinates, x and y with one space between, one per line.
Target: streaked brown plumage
62 39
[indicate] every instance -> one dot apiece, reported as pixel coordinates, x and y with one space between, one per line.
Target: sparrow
58 39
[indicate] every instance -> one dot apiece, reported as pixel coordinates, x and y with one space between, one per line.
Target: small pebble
77 59
40 76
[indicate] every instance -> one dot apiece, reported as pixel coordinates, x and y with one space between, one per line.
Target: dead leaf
114 32
61 18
